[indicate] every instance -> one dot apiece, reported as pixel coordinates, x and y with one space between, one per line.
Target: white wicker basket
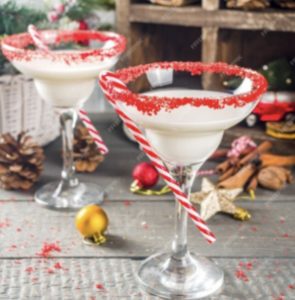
22 109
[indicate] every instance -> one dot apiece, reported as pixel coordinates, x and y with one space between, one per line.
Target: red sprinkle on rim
151 105
15 47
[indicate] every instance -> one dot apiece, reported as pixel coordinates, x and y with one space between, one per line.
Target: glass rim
115 86
13 46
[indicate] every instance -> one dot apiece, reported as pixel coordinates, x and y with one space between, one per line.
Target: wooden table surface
263 248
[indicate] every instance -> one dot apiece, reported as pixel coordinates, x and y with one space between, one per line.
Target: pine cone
86 155
21 161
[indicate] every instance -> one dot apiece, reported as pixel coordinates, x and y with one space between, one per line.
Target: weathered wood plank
122 17
209 55
210 4
78 278
123 26
210 44
271 20
139 229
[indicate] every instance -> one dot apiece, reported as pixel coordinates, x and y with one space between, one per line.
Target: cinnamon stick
231 171
239 179
225 165
263 147
277 160
219 153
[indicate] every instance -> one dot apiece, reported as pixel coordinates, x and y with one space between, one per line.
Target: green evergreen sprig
14 19
85 7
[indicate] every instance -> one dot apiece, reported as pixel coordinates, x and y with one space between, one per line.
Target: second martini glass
184 125
66 77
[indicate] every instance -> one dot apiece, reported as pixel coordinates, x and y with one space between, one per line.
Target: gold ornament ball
92 222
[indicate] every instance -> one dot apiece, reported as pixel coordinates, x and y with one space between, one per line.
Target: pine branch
14 19
84 8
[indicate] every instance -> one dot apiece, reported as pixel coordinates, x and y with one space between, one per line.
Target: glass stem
185 176
67 120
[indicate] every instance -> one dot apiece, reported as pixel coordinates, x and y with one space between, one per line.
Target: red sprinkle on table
253 228
99 286
15 47
249 266
127 202
50 271
29 270
151 105
57 266
47 248
4 223
240 274
281 297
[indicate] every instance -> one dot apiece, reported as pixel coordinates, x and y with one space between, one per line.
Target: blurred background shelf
207 32
194 16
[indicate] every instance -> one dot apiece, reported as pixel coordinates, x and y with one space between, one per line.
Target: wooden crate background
255 48
204 32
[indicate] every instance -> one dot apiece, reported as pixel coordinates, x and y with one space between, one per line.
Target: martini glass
66 77
184 124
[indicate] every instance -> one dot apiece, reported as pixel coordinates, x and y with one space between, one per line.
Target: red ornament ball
145 174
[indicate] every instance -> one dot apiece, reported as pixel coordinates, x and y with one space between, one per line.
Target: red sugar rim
153 104
14 46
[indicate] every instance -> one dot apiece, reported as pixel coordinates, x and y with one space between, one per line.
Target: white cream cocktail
187 135
184 126
62 84
65 76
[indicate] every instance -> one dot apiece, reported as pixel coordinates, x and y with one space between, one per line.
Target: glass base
191 277
59 195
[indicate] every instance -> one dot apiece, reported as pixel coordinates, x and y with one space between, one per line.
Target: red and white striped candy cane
209 172
180 196
239 145
93 132
40 44
37 38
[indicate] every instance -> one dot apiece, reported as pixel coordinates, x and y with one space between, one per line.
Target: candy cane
239 145
209 172
40 44
37 38
180 196
93 132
